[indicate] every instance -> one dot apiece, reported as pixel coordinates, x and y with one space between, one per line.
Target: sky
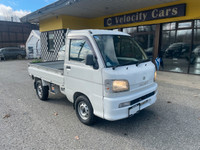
19 8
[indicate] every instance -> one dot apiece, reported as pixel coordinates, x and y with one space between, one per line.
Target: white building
33 45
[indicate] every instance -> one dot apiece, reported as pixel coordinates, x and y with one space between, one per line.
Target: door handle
68 67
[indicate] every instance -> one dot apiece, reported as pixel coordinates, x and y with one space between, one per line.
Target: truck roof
97 32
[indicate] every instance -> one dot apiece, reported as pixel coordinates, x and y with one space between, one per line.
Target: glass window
30 49
143 28
144 36
79 49
176 47
197 23
196 37
50 41
184 36
169 26
119 50
146 41
168 37
184 25
175 50
195 54
146 28
173 25
130 30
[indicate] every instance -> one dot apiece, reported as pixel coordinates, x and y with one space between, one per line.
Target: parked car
194 55
61 53
196 51
12 52
177 50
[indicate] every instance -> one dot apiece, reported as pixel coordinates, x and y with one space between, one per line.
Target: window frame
101 56
50 49
80 38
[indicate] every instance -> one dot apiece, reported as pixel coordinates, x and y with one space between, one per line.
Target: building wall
14 34
192 12
59 41
64 22
50 24
75 22
151 35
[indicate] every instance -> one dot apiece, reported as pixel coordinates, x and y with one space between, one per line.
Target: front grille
142 98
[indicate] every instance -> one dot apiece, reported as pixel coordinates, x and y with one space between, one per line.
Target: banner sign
153 14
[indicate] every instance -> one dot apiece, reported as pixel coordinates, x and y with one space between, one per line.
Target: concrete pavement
173 122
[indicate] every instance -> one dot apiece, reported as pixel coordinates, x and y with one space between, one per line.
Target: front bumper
138 101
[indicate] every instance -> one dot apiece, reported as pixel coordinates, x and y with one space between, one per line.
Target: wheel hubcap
83 110
39 90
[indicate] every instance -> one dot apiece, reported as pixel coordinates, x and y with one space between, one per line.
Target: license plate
134 109
144 102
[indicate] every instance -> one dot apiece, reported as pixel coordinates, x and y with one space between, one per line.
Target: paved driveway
173 122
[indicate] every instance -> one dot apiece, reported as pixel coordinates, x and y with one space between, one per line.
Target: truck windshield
119 50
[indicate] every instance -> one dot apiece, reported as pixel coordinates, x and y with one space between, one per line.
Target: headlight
120 85
114 86
155 75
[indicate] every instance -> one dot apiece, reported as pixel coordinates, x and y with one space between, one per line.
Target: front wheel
84 110
42 91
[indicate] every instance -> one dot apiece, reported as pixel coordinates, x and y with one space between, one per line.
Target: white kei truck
105 74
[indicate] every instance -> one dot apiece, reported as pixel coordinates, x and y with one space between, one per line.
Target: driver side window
79 49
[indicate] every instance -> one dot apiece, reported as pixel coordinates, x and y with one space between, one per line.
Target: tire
42 91
2 58
84 110
19 57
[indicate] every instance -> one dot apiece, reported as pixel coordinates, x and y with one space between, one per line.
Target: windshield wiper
141 61
114 67
131 63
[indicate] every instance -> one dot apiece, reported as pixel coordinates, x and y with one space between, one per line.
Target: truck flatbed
56 65
48 71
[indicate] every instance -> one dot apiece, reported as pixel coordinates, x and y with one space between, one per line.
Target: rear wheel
84 110
42 91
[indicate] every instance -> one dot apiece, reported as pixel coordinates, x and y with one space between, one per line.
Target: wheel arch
44 83
77 94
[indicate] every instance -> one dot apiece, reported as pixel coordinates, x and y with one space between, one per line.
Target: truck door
80 77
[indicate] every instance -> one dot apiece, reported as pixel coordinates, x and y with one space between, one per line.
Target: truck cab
104 73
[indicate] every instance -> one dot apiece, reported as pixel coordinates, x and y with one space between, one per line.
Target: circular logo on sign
109 21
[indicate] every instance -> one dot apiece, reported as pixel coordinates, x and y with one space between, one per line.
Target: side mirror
90 61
